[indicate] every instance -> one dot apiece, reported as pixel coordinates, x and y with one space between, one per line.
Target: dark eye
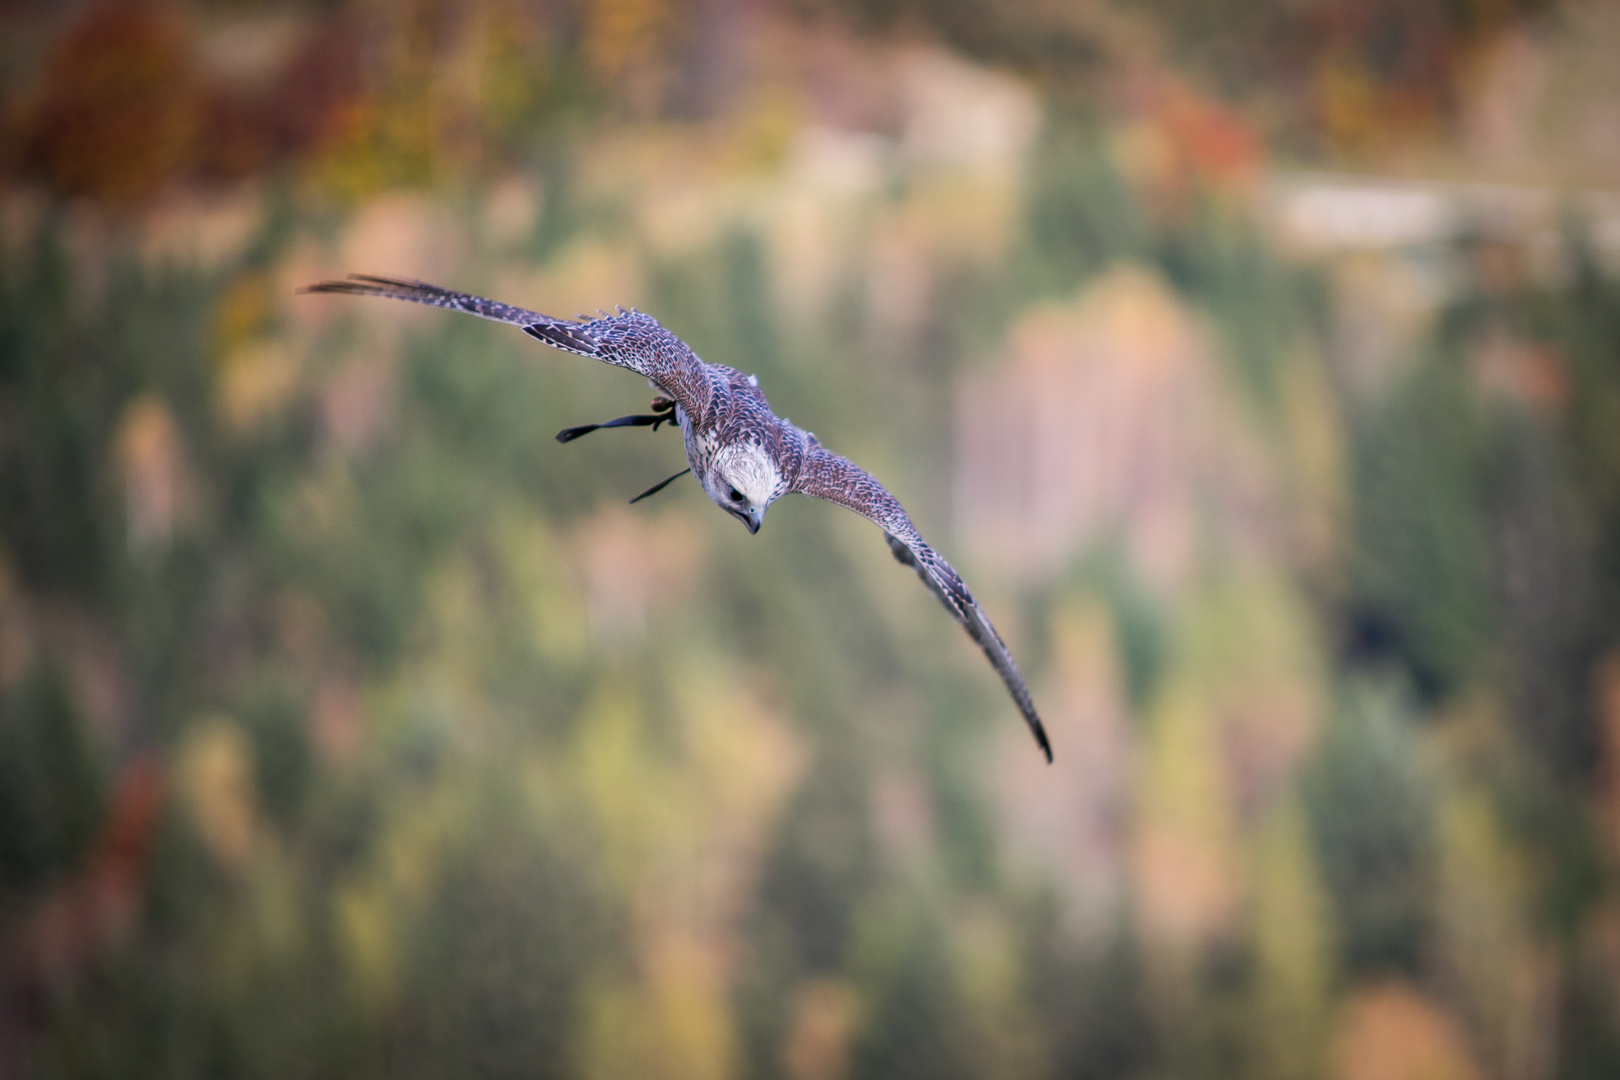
737 496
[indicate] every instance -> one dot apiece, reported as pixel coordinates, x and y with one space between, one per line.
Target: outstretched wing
828 476
569 336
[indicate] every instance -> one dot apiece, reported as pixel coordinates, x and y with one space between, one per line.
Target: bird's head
743 480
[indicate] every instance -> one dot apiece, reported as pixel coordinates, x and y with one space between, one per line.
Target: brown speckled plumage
743 454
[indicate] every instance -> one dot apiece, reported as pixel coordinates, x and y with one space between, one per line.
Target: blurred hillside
1259 364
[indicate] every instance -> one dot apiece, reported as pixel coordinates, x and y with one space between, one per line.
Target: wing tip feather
368 285
1041 740
323 287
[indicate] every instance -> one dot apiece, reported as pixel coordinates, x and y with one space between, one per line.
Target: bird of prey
744 455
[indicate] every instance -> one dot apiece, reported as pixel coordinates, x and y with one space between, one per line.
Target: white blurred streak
963 116
840 161
1327 215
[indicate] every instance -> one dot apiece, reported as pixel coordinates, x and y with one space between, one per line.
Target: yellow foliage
545 587
1312 459
379 144
1184 832
620 34
241 314
1487 947
1349 99
370 941
256 383
1293 950
216 776
1003 1037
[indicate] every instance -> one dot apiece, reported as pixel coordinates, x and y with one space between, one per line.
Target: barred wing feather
826 475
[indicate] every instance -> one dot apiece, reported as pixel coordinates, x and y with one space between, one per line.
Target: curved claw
570 434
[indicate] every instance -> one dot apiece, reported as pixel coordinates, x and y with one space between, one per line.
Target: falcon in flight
742 453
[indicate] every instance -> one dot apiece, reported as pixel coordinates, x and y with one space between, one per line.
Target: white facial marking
750 470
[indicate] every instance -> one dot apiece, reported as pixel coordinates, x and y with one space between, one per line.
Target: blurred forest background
1257 362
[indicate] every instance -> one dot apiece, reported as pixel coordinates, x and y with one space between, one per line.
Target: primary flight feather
744 455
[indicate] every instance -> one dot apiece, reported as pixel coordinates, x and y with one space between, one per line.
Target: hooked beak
753 519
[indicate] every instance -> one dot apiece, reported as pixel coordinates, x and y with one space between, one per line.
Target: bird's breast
701 443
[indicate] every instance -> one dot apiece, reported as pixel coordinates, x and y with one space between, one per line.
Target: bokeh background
1257 362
